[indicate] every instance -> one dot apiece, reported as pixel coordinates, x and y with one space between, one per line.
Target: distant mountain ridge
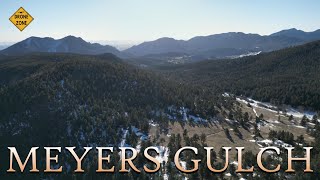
217 46
225 44
69 44
295 33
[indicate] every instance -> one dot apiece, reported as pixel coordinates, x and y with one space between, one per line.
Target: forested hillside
290 76
101 86
83 101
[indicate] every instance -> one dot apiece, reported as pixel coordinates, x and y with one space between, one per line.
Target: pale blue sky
140 20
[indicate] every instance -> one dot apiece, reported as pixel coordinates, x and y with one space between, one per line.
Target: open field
216 137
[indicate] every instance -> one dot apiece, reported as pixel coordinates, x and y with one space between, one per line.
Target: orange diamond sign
21 19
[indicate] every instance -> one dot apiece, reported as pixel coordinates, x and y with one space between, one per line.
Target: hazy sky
140 20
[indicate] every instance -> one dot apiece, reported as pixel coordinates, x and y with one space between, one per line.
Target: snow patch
163 154
267 106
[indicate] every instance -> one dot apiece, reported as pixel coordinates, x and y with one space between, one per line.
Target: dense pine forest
80 100
290 76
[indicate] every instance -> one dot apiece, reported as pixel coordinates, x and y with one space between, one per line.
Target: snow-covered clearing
268 142
267 106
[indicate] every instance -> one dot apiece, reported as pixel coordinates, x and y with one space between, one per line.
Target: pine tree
304 121
203 138
290 118
315 119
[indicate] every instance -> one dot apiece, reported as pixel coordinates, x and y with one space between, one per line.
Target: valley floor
215 130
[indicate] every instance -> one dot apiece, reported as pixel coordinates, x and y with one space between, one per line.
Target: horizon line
142 41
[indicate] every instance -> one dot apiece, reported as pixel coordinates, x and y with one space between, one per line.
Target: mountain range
294 33
69 44
225 45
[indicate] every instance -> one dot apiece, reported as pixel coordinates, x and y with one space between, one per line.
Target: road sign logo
21 19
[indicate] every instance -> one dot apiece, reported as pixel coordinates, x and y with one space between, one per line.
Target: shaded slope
289 76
